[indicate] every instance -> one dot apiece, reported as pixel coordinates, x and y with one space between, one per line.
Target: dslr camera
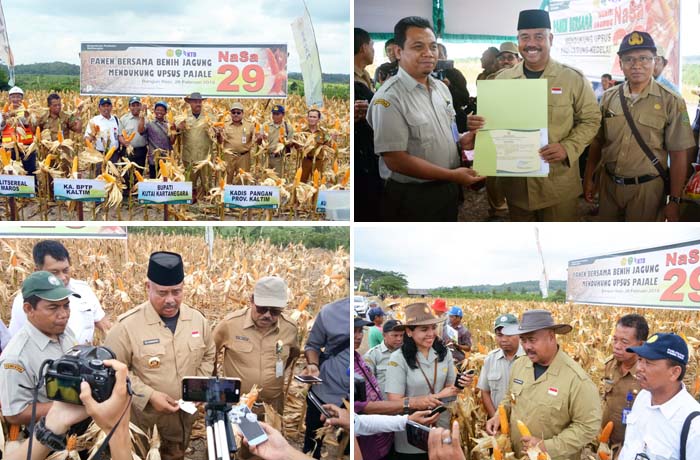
82 363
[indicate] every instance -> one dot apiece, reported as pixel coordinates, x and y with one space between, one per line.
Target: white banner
305 40
5 51
667 276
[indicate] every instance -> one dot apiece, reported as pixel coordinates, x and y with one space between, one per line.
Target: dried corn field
71 156
590 344
116 270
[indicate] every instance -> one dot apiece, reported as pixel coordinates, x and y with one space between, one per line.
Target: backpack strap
685 431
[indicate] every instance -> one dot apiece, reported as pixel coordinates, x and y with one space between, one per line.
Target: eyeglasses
644 60
273 311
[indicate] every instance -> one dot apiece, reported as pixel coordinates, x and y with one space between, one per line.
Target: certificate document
516 128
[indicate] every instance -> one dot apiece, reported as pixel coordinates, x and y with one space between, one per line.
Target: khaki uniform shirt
321 137
362 76
21 361
130 124
238 138
157 358
196 143
562 406
495 374
402 380
406 116
251 355
273 133
574 119
662 119
616 387
377 359
62 122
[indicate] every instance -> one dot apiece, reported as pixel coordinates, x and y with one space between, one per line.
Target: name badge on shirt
243 139
151 341
279 369
518 381
455 132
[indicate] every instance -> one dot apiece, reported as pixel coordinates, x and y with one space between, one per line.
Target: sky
49 30
435 255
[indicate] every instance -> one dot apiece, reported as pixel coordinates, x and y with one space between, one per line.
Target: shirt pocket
151 357
419 128
651 127
561 117
496 381
551 410
241 346
197 349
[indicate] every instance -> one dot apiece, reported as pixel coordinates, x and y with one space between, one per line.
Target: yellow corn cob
49 158
163 168
252 397
303 304
222 183
323 180
138 175
89 145
542 456
60 137
6 107
74 169
503 417
241 171
523 429
336 125
297 177
24 104
335 167
107 178
605 434
497 453
5 155
317 178
71 442
38 133
110 152
603 455
346 178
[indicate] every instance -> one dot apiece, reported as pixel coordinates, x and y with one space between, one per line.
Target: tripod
220 441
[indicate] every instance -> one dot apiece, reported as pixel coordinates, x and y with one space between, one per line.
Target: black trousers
424 202
29 164
313 423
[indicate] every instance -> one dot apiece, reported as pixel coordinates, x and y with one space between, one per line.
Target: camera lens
96 364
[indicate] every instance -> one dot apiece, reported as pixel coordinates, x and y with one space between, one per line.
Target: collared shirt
21 361
238 138
362 76
656 430
196 143
109 132
464 338
495 373
157 135
404 381
130 124
157 358
62 122
331 330
376 446
251 355
573 120
562 406
274 131
377 359
84 312
616 385
409 117
662 119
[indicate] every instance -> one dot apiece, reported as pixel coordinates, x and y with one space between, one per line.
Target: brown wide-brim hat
534 320
420 314
195 97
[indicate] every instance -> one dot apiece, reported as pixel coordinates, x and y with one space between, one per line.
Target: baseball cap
237 106
455 311
134 99
162 104
105 100
636 40
46 286
359 322
270 291
663 346
278 108
505 320
393 325
374 312
508 47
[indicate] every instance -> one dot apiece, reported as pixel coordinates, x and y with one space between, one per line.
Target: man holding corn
196 143
549 393
279 133
55 119
162 341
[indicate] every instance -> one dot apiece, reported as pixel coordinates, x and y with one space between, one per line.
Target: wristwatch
674 199
48 437
406 408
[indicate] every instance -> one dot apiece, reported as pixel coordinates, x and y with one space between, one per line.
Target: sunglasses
236 112
273 311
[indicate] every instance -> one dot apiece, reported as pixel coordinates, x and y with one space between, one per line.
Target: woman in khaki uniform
422 366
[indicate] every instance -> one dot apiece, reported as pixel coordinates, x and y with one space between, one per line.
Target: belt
619 180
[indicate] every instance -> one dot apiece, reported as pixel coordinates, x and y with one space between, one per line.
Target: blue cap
359 322
663 346
278 108
455 311
636 41
105 100
162 104
374 312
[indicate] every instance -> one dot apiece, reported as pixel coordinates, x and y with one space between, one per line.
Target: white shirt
84 312
367 425
656 430
109 132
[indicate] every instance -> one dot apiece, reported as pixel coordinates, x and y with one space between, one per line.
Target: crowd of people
628 154
412 372
157 344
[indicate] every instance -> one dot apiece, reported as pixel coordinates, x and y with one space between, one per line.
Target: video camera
82 363
440 67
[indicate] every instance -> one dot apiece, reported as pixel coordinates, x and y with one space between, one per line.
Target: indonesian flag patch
195 333
553 391
556 91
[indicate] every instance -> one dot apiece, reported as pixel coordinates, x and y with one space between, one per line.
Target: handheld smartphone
319 405
307 379
417 435
211 390
437 410
469 372
250 427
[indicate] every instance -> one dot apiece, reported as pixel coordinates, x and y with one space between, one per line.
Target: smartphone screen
252 430
307 379
438 410
317 402
417 435
212 390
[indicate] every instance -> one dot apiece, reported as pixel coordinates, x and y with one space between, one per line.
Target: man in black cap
635 182
549 392
663 405
573 117
162 341
279 133
377 358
